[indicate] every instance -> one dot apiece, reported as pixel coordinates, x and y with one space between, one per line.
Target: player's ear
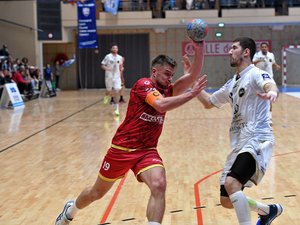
247 51
154 72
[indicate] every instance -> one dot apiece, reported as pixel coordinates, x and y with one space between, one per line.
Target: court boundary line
112 201
196 194
197 188
46 128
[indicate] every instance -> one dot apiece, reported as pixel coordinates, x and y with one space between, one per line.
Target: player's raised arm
187 80
161 104
203 97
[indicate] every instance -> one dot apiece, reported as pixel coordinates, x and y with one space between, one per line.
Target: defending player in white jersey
249 93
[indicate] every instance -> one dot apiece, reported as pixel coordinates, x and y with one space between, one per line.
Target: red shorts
117 162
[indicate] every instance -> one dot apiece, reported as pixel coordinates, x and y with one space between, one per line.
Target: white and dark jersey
113 62
250 130
249 111
268 61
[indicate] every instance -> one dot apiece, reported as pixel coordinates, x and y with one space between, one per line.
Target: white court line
295 94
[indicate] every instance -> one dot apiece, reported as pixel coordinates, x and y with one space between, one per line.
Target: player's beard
161 86
236 62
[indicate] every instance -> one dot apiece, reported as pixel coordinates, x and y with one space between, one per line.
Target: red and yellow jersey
143 124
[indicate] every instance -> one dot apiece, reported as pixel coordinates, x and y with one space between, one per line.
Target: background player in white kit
112 63
265 60
249 93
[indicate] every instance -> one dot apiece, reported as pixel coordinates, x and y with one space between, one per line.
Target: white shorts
261 152
112 83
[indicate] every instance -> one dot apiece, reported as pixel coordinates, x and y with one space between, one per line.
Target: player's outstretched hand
199 85
271 95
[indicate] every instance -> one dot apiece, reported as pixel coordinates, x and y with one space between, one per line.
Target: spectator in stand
4 54
211 4
35 75
16 65
5 78
1 82
4 64
25 73
24 86
24 61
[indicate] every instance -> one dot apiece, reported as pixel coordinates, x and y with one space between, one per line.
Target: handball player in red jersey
134 146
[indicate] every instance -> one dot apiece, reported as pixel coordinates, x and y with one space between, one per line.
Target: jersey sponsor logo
265 76
150 89
152 119
237 127
241 92
156 160
236 109
230 96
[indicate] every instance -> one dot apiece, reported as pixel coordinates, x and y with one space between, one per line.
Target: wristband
273 93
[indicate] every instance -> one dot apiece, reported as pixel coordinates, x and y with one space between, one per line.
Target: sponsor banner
87 31
11 94
216 48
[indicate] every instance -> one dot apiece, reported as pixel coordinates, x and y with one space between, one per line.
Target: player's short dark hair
247 42
161 60
264 43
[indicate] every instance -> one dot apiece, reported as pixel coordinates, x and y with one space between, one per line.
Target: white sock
260 208
72 211
241 206
153 223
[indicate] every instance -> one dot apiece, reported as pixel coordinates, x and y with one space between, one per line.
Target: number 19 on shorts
106 165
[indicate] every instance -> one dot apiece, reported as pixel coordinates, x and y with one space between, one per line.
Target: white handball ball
197 30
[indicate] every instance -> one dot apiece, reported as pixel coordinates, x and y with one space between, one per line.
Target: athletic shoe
105 100
112 102
117 112
63 219
275 211
122 101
